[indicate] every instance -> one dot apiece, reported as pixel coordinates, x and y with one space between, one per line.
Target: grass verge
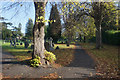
19 51
64 55
106 59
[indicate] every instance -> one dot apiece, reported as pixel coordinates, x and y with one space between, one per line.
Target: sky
26 11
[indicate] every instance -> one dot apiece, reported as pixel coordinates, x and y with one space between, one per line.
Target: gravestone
10 42
67 43
21 43
29 51
26 44
62 42
51 44
32 46
47 46
57 47
14 42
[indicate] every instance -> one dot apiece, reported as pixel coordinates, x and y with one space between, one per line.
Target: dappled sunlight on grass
64 46
106 58
19 51
65 54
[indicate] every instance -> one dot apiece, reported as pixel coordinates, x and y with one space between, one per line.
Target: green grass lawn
65 54
106 58
21 53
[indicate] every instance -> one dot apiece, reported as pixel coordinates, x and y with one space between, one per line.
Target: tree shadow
82 59
24 62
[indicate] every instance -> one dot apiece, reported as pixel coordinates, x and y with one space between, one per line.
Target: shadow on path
82 59
82 66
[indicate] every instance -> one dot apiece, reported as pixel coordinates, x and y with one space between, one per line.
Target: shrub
35 62
50 56
111 37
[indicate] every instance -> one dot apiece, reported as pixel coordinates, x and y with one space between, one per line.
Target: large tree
97 10
55 26
6 33
38 31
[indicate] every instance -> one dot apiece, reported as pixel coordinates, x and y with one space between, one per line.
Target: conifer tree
55 26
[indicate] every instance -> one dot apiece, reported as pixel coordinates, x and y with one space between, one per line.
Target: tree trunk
38 31
84 39
98 19
98 37
80 38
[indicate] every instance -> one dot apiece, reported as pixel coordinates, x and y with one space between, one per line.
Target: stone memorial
51 44
26 44
21 43
57 47
32 46
11 43
67 43
47 46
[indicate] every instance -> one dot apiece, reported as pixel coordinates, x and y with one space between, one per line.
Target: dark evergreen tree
29 29
19 30
55 26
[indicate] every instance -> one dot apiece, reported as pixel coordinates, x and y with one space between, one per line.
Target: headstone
53 44
10 42
57 47
47 46
62 42
32 46
67 43
21 43
26 44
14 42
50 41
29 51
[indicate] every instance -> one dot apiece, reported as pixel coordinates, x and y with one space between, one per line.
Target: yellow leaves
29 18
54 20
41 7
41 17
38 5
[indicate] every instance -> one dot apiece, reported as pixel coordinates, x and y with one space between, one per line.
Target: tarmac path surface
82 66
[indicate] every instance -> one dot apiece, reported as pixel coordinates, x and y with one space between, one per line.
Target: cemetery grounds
106 59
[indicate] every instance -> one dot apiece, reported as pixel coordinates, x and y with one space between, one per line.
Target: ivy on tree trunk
38 31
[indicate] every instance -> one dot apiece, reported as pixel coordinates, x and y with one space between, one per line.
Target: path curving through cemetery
82 66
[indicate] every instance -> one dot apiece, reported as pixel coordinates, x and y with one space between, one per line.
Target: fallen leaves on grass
64 56
106 59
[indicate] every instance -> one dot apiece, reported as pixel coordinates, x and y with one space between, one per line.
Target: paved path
81 67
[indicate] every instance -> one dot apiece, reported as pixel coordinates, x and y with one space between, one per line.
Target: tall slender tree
55 26
29 29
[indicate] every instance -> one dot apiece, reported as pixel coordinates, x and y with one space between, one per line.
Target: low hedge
111 37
